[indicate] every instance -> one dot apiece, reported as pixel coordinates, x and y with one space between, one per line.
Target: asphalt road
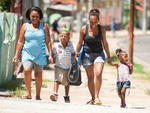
141 51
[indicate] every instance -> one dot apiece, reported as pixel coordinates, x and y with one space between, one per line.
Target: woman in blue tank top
93 37
33 38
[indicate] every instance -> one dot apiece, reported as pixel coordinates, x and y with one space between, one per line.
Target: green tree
5 5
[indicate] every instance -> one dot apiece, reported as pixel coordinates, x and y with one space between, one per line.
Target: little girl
123 71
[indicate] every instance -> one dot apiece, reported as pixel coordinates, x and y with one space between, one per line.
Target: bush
5 5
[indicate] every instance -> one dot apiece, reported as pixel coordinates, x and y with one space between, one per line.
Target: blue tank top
92 44
34 46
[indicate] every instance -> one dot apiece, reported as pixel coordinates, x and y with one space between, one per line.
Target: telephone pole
131 31
144 16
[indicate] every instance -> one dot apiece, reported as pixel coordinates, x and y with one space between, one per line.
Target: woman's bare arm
105 44
19 43
48 42
80 40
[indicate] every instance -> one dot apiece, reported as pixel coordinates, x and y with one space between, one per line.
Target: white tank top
123 73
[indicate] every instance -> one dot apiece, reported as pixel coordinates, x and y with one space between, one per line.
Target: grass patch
46 80
138 69
114 58
14 87
44 86
145 76
17 93
147 92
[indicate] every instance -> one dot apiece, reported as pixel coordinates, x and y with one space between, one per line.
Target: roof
67 2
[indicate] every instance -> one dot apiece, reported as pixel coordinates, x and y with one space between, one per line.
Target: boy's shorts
126 84
90 58
61 76
31 64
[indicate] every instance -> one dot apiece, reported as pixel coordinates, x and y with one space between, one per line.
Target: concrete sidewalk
17 106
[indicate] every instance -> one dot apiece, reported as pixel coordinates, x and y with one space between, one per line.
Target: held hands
76 54
50 59
16 58
130 68
109 61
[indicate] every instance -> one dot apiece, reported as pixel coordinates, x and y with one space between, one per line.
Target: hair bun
118 51
94 10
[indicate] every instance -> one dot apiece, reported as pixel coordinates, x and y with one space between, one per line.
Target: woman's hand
15 59
109 61
50 59
76 54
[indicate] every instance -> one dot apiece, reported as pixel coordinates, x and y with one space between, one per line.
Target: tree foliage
5 5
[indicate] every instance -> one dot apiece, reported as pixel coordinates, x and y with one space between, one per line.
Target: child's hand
130 68
76 54
73 55
109 60
50 59
16 58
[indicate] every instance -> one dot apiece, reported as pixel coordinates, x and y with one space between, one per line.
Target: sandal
54 97
26 97
91 102
38 98
97 101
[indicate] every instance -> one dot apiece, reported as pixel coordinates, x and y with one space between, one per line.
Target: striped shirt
62 55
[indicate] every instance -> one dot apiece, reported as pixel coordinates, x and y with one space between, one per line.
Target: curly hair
37 9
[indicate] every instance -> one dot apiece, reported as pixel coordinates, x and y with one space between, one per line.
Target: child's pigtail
118 51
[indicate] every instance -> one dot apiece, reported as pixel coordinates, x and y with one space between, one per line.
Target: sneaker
67 99
91 102
97 101
54 97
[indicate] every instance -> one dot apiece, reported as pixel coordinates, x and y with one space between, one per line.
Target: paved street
20 106
141 48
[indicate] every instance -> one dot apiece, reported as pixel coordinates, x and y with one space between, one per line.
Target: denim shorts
90 58
126 84
31 64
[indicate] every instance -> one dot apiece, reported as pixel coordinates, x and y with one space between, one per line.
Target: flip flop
91 102
26 97
97 102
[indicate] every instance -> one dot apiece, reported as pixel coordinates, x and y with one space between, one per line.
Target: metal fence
8 27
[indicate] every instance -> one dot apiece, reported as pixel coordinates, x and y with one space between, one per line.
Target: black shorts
126 84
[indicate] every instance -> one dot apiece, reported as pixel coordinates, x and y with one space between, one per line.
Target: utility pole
79 14
144 17
131 31
90 6
36 3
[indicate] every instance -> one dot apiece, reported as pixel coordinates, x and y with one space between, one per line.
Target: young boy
62 53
